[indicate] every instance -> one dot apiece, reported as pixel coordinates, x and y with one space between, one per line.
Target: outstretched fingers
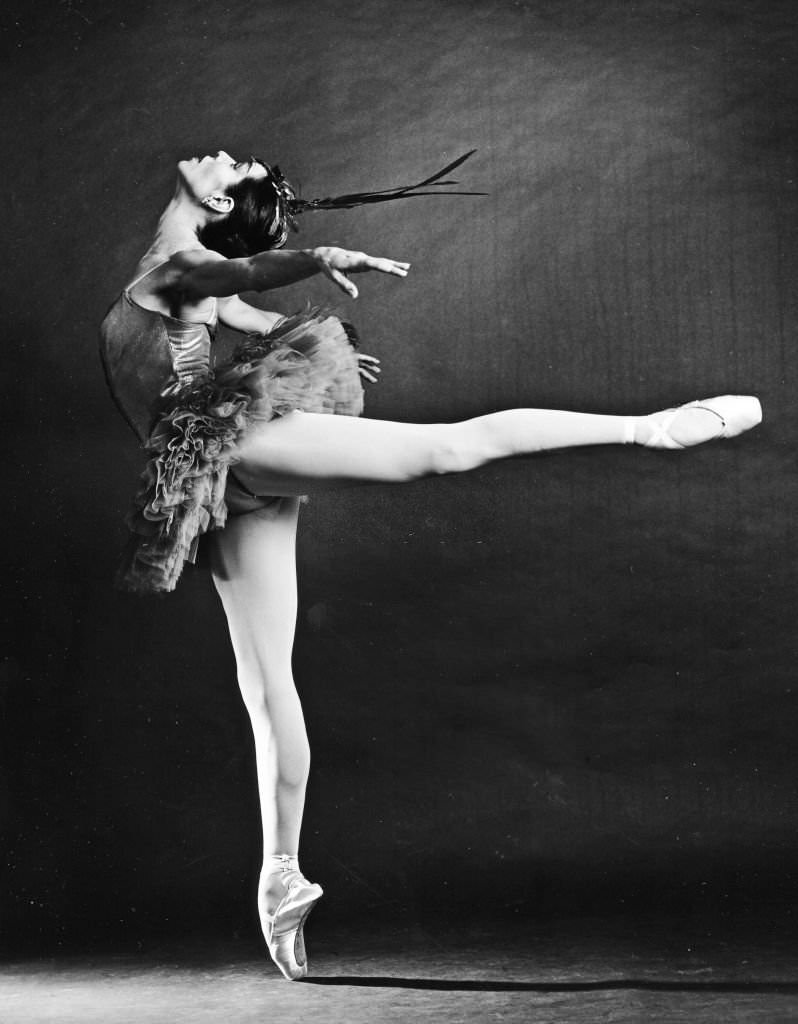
381 264
343 282
338 264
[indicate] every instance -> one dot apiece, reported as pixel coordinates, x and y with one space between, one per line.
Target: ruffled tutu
307 362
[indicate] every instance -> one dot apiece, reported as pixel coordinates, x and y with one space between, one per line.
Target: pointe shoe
735 414
283 930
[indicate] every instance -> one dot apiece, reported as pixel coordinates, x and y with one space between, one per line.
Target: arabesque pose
231 449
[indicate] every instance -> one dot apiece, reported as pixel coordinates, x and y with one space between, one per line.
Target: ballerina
232 448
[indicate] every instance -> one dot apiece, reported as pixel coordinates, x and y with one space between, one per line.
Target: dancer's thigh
304 452
253 560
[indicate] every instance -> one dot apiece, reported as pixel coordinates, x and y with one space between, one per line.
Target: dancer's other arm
240 316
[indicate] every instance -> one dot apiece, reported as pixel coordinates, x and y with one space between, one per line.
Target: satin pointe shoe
283 930
735 414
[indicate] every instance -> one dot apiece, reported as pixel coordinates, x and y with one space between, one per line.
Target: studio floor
665 970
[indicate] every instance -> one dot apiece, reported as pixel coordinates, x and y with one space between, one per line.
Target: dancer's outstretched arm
201 273
303 452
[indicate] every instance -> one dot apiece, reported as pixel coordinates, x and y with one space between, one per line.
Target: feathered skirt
308 362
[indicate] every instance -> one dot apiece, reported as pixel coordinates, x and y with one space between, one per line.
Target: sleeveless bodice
149 356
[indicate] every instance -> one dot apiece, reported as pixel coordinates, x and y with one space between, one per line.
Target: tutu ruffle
307 362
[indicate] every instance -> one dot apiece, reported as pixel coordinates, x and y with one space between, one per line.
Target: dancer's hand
337 263
368 366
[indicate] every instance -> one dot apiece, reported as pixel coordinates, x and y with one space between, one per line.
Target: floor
588 971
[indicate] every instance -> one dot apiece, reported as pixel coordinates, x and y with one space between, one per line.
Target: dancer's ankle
274 862
276 874
630 428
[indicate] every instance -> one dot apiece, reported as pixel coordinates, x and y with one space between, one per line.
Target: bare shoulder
161 285
190 259
157 272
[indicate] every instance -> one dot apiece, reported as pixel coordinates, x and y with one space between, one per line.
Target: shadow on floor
611 985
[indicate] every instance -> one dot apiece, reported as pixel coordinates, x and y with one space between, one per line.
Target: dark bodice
147 356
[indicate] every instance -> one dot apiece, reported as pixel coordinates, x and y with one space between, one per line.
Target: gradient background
559 686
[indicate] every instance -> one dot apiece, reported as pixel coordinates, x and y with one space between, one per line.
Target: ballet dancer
232 448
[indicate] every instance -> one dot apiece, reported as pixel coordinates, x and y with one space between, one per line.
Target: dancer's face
212 175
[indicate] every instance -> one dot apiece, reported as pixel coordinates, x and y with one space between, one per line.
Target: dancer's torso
148 356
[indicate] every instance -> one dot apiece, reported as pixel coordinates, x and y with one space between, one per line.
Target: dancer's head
249 207
245 201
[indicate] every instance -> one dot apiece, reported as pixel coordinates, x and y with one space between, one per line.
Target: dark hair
266 208
259 220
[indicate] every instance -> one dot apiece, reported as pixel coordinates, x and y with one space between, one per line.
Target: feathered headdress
289 205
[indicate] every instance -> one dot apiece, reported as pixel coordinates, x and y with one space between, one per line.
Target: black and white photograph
401 472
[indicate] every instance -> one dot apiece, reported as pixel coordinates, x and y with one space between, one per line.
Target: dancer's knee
262 685
456 450
266 688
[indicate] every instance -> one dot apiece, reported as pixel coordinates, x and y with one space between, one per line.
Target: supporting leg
254 570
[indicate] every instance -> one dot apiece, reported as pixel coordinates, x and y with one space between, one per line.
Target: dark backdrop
559 684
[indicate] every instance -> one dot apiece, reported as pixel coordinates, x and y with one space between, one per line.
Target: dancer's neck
178 225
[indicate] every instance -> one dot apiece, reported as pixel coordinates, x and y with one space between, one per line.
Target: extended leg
304 451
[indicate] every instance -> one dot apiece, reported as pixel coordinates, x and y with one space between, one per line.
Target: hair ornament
347 202
290 205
